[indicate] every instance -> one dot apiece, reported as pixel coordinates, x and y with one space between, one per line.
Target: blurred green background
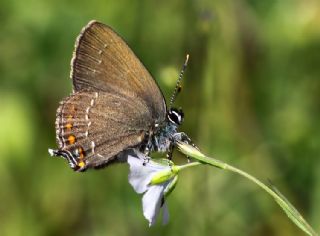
251 97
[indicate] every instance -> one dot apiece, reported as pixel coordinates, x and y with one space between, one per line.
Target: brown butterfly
115 105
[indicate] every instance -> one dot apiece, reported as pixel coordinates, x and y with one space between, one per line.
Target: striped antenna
178 84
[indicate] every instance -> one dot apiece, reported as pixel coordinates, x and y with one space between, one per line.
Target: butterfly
115 105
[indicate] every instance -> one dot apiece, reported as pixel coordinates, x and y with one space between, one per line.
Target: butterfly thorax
162 136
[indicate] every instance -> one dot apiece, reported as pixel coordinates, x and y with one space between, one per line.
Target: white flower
156 180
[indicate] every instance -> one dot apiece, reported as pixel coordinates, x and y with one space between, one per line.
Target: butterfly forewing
103 61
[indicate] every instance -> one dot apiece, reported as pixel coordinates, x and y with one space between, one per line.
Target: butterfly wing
93 127
114 105
102 61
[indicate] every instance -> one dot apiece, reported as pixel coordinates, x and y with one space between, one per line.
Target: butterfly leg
145 149
170 151
146 157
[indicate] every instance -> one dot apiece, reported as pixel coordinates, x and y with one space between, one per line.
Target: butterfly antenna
178 84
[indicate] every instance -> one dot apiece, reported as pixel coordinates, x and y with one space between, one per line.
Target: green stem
288 208
188 165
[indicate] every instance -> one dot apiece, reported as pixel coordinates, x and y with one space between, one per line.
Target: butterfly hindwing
93 127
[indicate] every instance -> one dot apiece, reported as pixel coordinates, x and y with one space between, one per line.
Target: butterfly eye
175 116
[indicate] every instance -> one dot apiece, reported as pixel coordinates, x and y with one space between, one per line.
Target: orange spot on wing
72 139
68 126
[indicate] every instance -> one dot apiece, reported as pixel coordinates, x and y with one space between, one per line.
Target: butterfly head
175 116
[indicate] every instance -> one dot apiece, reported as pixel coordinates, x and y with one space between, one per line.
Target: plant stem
288 208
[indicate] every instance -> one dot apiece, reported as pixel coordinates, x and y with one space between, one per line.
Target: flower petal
165 214
154 179
142 171
139 176
151 202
